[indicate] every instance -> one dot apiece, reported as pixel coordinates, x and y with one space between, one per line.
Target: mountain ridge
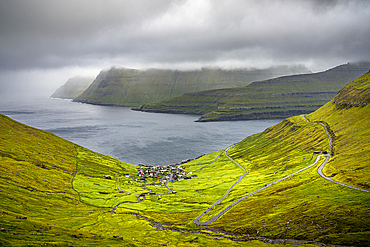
355 94
291 95
131 87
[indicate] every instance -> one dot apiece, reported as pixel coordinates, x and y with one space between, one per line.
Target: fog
43 43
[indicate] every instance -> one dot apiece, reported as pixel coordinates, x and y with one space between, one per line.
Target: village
158 176
164 174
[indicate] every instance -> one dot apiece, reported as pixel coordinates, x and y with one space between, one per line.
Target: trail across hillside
196 221
319 170
210 163
217 216
321 167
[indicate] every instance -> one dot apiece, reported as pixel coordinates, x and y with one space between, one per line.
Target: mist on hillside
42 44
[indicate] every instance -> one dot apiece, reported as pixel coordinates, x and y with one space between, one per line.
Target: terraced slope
73 87
55 192
275 98
129 87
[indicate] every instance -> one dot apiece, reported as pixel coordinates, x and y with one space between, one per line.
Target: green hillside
308 206
73 87
275 98
130 87
349 119
55 192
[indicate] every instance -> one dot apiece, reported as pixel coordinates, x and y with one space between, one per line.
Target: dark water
134 137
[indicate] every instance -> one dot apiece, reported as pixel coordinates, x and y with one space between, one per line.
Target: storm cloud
182 34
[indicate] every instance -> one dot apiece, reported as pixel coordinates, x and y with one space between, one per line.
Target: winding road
196 221
319 170
210 163
217 216
321 167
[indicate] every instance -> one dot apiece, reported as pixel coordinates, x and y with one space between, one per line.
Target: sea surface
130 136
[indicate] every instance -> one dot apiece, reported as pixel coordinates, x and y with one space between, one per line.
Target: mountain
130 87
56 193
73 87
349 120
274 98
307 206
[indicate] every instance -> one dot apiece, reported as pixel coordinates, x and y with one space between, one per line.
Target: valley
262 191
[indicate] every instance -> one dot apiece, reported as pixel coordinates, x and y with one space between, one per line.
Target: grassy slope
55 185
51 181
127 87
274 98
348 116
307 206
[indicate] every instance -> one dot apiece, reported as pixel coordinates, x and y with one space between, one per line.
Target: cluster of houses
164 173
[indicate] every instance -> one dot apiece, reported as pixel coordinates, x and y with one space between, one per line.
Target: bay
130 136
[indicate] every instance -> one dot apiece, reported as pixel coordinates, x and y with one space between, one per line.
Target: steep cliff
274 98
130 87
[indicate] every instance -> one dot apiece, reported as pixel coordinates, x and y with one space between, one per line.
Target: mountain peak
355 94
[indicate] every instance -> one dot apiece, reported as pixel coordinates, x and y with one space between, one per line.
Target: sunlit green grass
65 192
53 183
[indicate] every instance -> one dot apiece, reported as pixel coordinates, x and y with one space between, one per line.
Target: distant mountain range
215 94
274 98
130 87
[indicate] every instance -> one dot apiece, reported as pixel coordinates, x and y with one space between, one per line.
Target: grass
306 206
274 98
62 189
129 87
352 128
52 183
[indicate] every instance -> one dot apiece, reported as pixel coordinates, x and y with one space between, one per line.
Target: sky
43 43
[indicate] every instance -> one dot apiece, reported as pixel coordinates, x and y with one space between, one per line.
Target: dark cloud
39 34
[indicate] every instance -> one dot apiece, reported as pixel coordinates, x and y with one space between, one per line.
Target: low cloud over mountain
181 34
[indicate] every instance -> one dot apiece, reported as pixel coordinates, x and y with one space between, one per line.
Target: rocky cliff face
129 87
